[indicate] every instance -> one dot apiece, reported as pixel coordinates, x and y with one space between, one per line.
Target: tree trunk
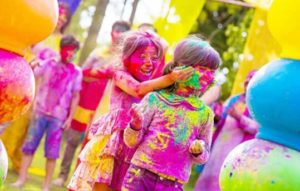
123 9
91 40
134 7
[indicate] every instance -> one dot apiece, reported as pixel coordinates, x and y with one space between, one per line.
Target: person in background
147 27
41 51
96 73
57 96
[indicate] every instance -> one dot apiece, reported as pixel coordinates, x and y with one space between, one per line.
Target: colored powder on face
193 81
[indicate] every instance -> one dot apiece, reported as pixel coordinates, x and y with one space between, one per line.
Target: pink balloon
16 86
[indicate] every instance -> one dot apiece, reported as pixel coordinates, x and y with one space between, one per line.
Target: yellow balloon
26 22
283 20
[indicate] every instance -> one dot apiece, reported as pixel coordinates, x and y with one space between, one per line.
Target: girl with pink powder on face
106 158
172 127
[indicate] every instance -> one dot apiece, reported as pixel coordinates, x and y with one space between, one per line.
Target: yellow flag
178 20
260 49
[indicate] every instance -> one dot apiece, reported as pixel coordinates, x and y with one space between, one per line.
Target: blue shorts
41 124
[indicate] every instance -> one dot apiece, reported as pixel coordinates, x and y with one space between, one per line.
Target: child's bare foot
18 183
59 182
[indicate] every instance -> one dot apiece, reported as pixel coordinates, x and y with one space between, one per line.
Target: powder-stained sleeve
248 124
145 112
77 85
205 134
40 69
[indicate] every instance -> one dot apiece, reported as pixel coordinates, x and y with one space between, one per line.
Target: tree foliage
86 9
91 41
225 26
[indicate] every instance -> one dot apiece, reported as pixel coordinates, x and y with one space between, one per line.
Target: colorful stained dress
106 155
232 134
95 95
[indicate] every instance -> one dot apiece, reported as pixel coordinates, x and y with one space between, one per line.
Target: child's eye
143 56
154 58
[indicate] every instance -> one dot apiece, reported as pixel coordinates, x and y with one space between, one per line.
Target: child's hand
35 63
67 123
181 74
136 120
236 111
197 147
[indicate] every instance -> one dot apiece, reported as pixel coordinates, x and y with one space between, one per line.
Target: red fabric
76 125
90 95
99 74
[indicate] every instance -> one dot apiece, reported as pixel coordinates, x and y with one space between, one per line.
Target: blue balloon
273 97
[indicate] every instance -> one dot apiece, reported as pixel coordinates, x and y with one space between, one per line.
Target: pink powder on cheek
67 53
206 78
143 62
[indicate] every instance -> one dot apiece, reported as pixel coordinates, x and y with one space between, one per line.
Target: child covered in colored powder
57 96
96 74
173 127
106 158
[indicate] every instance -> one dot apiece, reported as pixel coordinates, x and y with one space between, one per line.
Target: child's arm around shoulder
200 147
135 88
141 117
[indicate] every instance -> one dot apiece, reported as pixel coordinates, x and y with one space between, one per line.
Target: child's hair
121 26
193 51
148 26
137 39
69 40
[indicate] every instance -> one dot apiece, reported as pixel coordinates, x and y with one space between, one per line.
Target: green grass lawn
35 180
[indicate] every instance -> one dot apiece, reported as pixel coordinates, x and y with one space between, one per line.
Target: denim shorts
39 125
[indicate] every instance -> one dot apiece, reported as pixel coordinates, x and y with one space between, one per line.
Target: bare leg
50 166
26 162
74 139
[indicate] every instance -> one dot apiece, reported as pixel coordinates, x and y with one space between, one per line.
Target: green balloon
259 165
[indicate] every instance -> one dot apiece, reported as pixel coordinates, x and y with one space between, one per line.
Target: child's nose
148 63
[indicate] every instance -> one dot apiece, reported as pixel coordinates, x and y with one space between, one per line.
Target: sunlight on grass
36 172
